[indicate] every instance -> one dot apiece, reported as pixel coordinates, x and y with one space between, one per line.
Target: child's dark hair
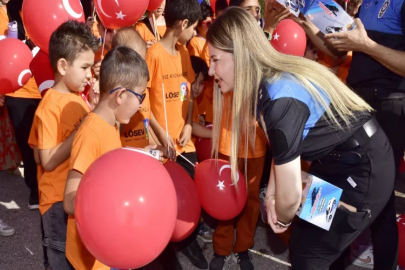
235 3
123 67
206 11
70 39
220 5
199 66
178 10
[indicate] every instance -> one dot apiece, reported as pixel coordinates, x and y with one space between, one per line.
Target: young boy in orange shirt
71 53
122 93
170 98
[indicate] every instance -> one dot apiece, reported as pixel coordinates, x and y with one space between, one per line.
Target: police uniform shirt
296 125
384 21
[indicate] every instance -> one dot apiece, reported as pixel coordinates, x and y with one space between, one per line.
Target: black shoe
168 259
243 259
194 253
33 202
218 262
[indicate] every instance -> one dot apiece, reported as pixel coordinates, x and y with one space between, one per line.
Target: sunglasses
207 23
141 98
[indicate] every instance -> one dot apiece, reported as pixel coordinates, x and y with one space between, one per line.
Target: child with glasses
123 79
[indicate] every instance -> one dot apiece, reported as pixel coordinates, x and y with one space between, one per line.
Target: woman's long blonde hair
237 32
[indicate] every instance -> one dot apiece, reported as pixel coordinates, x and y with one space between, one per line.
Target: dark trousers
22 111
314 248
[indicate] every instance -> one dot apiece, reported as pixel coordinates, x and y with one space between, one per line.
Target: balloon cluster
148 204
41 18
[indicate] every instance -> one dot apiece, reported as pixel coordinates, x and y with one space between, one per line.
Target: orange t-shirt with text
30 90
136 132
226 134
176 74
196 47
58 115
146 34
344 67
3 21
94 138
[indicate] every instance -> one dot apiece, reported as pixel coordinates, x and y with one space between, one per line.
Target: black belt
369 128
344 152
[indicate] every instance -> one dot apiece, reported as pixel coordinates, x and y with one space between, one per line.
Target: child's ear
184 24
118 96
61 66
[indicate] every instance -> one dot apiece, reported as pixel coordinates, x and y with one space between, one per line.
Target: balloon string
102 50
155 27
167 129
186 159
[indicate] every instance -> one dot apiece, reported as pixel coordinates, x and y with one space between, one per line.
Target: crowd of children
148 87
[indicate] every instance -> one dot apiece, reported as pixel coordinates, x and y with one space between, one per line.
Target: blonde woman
307 113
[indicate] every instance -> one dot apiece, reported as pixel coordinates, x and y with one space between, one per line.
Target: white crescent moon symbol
69 10
228 167
21 76
46 85
101 9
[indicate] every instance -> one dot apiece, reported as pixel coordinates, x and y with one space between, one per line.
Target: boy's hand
185 135
273 15
2 100
168 152
155 147
94 93
96 68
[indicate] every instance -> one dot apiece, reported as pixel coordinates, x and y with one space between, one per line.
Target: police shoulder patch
383 8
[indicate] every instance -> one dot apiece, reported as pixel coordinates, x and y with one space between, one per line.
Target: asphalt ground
23 250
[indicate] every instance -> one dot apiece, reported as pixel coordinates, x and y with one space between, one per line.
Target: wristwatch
283 225
268 35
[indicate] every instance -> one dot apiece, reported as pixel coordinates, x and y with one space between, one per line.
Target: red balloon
126 208
188 204
42 17
120 13
203 147
154 4
217 193
42 71
401 238
289 38
15 58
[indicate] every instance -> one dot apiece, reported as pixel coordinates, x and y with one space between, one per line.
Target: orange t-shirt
196 46
344 67
100 54
30 90
94 138
94 30
177 75
146 34
226 134
58 115
136 132
3 21
33 141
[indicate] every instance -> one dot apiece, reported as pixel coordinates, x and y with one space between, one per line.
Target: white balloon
46 85
21 76
102 10
69 10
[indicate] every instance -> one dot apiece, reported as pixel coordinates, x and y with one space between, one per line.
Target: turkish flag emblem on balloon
42 17
15 58
42 71
120 13
219 196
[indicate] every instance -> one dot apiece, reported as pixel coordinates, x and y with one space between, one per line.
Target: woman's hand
271 214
